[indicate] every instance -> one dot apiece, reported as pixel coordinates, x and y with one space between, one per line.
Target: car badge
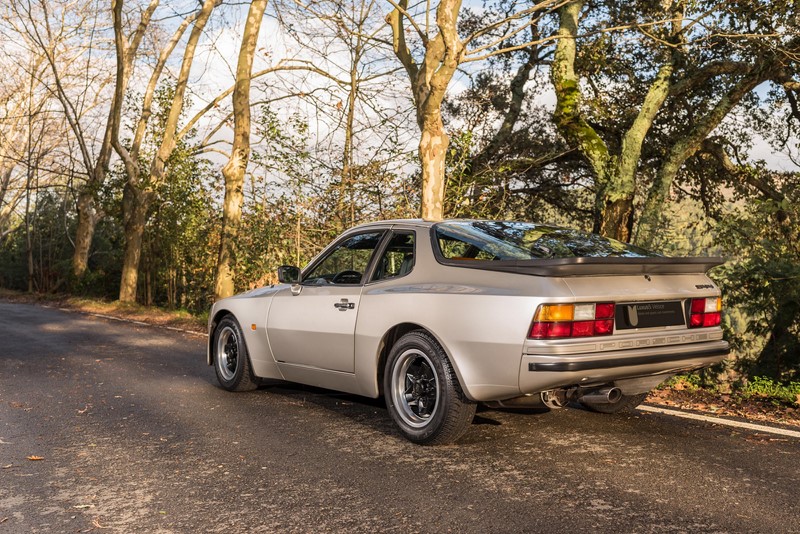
633 315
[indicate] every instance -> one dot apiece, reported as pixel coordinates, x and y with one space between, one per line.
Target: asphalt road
136 436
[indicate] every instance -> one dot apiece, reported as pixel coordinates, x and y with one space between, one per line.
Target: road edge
718 421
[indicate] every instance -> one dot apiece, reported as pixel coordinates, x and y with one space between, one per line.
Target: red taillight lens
706 312
582 328
711 319
604 311
558 321
550 330
539 330
604 327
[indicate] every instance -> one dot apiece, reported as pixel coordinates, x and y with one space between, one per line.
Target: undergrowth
759 387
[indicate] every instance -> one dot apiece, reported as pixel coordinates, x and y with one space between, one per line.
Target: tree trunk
616 219
231 220
568 118
29 230
135 206
235 169
83 233
429 81
432 152
615 174
348 186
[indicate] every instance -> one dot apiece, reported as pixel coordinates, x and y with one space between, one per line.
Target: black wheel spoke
230 357
422 393
415 391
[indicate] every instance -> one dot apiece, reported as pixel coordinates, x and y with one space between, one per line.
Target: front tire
422 392
625 404
231 360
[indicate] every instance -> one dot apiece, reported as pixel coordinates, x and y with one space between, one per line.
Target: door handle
344 305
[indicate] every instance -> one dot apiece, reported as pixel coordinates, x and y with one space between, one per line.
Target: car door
313 324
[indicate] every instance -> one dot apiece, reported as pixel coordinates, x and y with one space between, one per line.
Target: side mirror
289 274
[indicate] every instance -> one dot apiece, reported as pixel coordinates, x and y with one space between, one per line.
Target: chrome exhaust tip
603 396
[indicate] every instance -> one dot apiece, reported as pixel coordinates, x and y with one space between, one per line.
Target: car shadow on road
373 412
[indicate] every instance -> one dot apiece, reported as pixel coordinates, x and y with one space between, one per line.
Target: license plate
649 314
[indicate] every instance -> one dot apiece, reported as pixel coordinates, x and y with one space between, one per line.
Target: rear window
502 240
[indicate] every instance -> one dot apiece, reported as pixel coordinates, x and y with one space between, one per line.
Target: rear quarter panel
480 318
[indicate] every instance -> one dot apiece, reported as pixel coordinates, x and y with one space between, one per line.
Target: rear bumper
540 372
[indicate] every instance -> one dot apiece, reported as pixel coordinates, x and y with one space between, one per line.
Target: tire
231 360
625 404
422 392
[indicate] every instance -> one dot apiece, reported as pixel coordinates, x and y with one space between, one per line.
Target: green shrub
690 381
761 386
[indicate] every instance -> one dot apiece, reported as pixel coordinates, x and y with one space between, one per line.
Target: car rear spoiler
592 266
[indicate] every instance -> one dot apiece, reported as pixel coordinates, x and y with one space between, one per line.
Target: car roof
390 222
412 222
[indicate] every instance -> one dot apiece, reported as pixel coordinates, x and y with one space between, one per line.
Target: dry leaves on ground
724 405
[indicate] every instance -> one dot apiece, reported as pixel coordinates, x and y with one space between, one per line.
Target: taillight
554 321
705 312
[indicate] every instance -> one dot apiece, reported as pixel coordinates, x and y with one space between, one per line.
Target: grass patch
764 387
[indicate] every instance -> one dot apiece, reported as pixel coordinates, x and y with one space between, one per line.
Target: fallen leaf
3 520
83 506
9 466
35 458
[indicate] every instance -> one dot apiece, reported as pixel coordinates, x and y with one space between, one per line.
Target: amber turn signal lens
552 313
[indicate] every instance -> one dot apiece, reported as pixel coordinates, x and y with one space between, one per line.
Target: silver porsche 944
438 317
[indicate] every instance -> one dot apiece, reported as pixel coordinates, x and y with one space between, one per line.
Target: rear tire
625 404
231 360
422 392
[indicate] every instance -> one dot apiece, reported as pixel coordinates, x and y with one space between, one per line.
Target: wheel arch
212 326
393 335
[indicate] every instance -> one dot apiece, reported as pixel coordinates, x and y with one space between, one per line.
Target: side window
397 259
346 263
